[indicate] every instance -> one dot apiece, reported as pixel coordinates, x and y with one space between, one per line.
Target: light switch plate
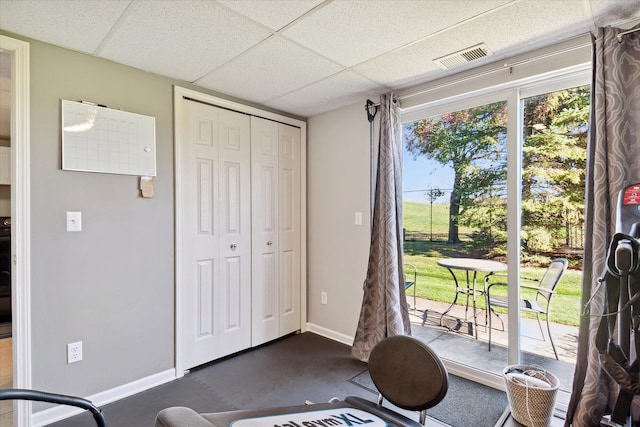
74 221
358 218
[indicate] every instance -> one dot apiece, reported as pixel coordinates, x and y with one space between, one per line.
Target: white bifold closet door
215 256
276 237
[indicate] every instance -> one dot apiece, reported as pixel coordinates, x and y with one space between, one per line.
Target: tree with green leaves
554 164
472 143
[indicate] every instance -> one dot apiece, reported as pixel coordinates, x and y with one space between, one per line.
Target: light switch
358 218
74 221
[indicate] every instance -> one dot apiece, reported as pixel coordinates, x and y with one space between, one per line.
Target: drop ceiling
305 57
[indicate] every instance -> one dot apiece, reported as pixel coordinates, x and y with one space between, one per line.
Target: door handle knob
233 246
269 243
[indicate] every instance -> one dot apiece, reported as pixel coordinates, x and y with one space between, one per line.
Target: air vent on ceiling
463 57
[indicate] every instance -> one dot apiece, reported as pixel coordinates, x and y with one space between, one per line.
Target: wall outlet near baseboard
323 298
74 352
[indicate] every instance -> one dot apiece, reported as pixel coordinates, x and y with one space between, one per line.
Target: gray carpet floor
467 404
285 372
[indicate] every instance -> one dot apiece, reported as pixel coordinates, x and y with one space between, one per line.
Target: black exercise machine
622 280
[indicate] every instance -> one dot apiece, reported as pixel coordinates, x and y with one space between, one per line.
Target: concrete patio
464 348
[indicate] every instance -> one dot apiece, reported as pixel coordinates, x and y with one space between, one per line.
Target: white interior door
265 293
215 233
289 195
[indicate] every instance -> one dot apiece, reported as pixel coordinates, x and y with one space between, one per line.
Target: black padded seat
406 372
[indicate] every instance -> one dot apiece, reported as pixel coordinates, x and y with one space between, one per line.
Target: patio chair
410 279
544 289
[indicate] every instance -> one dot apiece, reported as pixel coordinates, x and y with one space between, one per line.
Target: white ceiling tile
273 68
401 67
613 12
337 91
528 25
275 14
78 25
519 27
181 39
352 31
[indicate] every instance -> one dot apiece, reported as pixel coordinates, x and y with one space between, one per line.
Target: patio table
469 265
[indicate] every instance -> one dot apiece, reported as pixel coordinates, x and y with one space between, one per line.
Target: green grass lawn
435 282
417 219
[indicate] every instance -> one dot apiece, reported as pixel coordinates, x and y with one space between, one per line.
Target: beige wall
337 187
110 285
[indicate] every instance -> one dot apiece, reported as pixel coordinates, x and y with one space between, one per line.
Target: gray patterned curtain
613 163
384 307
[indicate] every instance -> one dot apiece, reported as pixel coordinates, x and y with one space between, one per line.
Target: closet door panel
265 243
215 203
232 278
198 230
234 211
289 229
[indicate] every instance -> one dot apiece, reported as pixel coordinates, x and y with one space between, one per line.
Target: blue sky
421 174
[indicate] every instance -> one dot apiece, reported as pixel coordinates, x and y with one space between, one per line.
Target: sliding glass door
494 188
455 220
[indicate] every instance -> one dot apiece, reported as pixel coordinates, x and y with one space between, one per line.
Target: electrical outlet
323 298
74 352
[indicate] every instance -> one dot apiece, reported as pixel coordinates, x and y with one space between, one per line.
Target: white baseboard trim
466 372
328 333
51 415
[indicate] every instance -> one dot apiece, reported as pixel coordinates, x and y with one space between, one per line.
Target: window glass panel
554 156
455 218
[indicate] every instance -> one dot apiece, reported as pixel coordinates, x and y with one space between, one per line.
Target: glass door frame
514 94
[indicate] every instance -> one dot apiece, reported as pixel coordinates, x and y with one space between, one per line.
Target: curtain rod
487 72
503 67
624 33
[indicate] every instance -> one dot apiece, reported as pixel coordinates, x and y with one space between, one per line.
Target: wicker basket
531 403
